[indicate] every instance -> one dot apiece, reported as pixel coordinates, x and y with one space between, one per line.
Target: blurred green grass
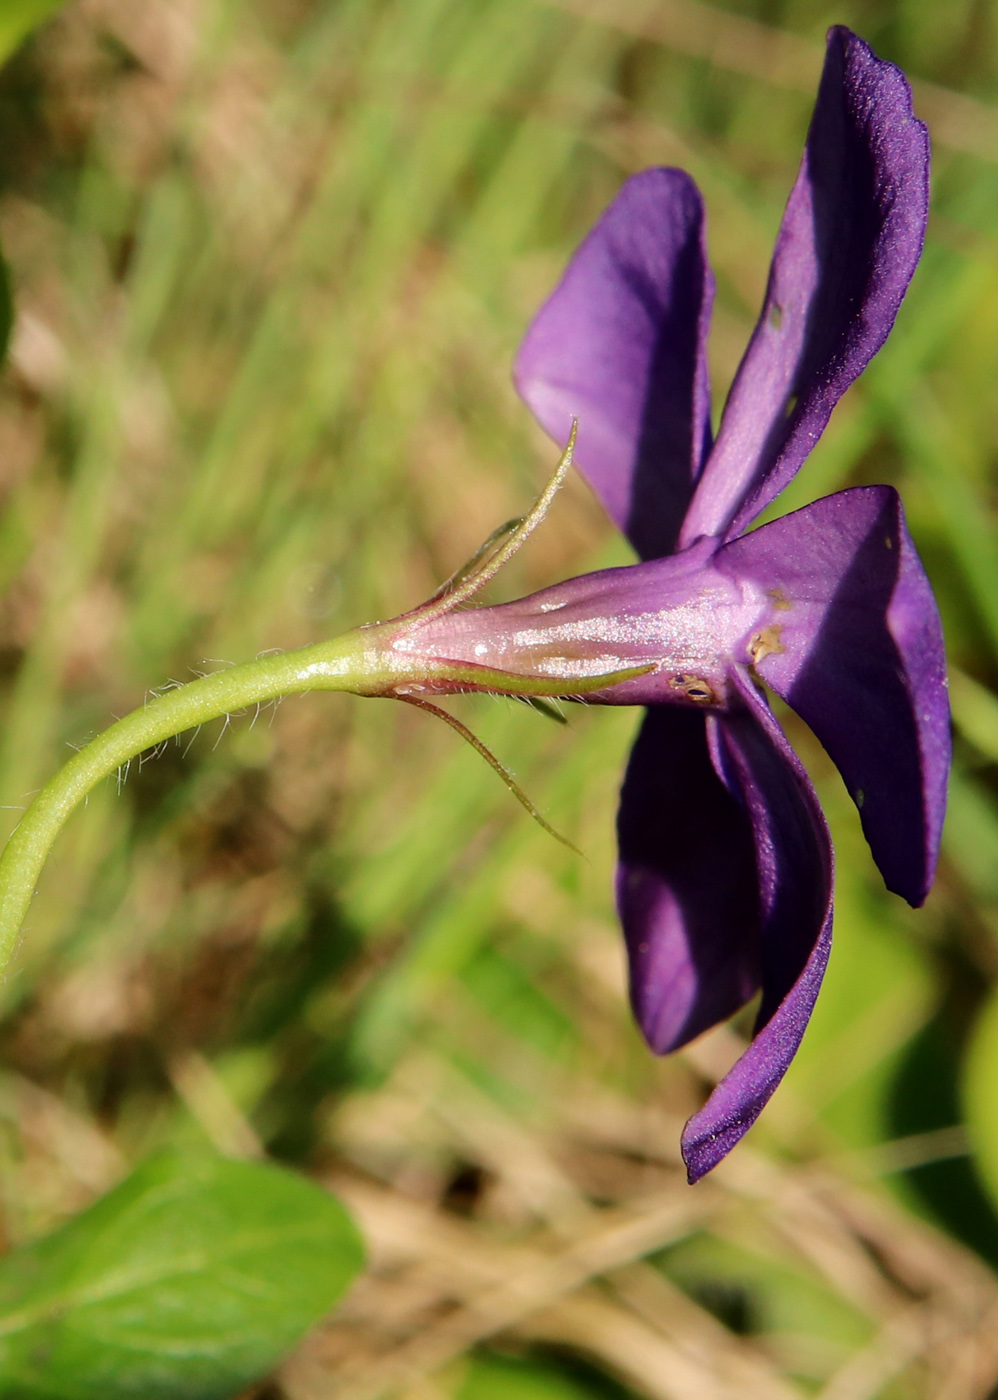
272 260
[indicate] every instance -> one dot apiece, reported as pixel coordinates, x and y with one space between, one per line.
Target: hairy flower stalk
374 660
725 877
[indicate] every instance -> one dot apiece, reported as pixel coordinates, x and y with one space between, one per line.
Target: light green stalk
348 663
361 662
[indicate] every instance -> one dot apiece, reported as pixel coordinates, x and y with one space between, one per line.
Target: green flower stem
354 662
366 661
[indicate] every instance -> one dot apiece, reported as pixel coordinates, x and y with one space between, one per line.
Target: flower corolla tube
725 876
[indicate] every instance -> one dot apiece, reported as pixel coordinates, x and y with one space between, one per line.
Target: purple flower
725 877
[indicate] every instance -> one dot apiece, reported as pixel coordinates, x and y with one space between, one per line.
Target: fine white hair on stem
190 741
227 721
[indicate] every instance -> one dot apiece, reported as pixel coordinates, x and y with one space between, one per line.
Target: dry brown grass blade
797 1211
902 1338
441 1285
519 1283
201 1090
641 1356
667 1310
961 1291
84 1153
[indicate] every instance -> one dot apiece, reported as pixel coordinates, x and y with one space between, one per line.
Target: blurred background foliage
271 260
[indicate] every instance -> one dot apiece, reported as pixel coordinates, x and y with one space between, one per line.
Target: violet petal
848 245
686 883
620 345
863 662
794 859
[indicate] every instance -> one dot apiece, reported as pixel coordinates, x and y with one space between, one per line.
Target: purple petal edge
794 860
686 883
621 345
849 243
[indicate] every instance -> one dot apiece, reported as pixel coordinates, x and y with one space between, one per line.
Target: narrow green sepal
466 675
478 562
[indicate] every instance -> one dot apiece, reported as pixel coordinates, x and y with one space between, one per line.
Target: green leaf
18 18
190 1279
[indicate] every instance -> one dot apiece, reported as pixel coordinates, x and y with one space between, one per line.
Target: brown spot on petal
780 600
765 643
694 688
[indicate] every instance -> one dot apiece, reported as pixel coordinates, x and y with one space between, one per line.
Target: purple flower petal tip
741 1096
743 1093
794 875
849 243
